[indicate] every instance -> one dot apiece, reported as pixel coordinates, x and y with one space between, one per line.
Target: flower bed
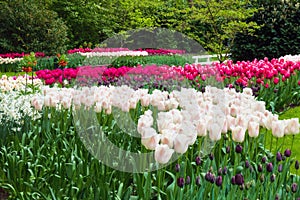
201 141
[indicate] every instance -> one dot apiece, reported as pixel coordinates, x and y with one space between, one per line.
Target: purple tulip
219 181
294 187
280 168
238 148
287 152
270 167
247 164
198 160
197 180
233 180
228 149
210 177
272 178
278 156
188 180
264 159
239 179
177 167
180 182
260 168
224 171
211 156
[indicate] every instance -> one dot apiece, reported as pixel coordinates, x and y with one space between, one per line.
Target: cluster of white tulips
294 58
181 115
114 54
8 84
9 60
15 106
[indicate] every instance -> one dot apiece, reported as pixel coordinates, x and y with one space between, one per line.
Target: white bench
207 57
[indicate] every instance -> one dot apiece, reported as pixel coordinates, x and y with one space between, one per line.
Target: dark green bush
278 36
30 26
74 60
130 61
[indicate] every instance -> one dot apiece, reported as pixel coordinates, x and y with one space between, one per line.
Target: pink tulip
181 143
215 132
238 134
253 129
163 153
278 128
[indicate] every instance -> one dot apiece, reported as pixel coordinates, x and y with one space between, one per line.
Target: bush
74 60
29 26
278 36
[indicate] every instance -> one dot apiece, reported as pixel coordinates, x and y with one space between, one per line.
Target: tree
30 26
278 36
222 20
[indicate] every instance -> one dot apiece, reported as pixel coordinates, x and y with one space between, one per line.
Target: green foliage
30 26
74 60
222 21
130 61
28 61
279 34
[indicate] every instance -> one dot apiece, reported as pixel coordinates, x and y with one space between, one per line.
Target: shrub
29 26
278 36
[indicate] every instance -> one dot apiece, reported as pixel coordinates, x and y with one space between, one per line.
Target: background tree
278 36
30 26
221 21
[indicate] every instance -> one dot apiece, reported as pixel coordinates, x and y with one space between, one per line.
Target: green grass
13 74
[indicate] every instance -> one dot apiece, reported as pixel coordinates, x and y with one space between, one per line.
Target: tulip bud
238 148
294 187
247 164
239 179
280 168
198 160
188 180
233 180
197 180
211 156
228 149
220 171
219 181
278 156
297 165
259 168
180 182
264 159
224 171
272 178
177 167
287 152
270 167
210 177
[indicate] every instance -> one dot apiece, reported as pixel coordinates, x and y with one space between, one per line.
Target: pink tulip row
212 113
244 73
109 50
20 55
57 75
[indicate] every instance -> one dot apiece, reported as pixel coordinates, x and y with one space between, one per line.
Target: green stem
292 143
